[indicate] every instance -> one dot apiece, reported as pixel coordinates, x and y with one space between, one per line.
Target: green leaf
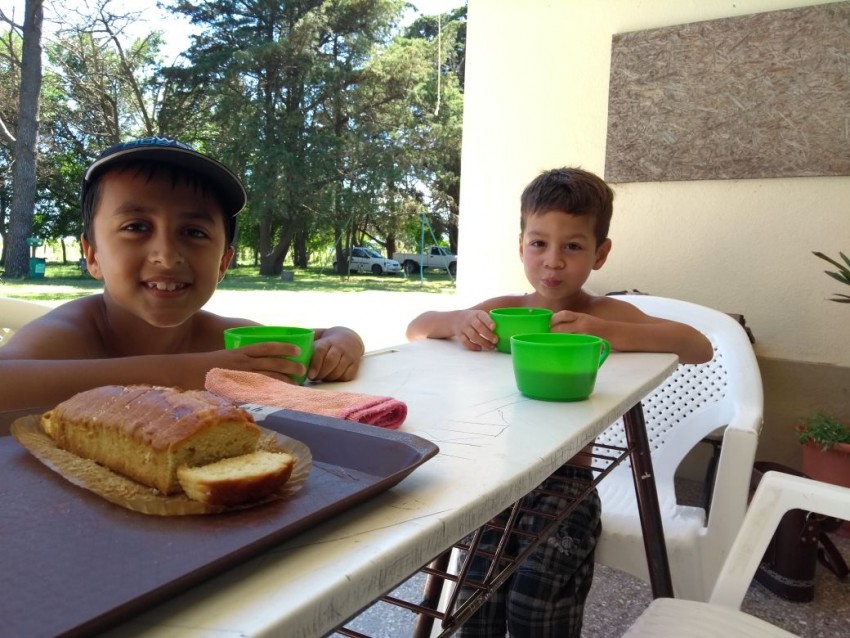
825 258
837 276
823 430
842 276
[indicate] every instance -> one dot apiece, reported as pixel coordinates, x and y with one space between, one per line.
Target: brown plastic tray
74 564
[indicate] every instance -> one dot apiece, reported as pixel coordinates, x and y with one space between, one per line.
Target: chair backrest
14 313
697 400
776 494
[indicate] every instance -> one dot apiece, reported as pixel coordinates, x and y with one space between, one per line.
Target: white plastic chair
776 494
724 394
14 313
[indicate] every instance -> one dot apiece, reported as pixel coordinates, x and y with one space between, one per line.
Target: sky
176 32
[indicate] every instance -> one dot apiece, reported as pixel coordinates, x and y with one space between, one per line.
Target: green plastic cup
514 321
301 337
557 366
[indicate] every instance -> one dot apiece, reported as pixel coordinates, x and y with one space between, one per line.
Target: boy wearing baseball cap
159 219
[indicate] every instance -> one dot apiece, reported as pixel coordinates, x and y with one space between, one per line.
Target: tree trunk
300 257
391 249
4 216
234 263
271 263
24 146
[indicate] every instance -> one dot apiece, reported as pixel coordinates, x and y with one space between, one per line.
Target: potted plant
826 448
825 438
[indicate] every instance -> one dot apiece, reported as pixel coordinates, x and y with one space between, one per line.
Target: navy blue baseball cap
170 151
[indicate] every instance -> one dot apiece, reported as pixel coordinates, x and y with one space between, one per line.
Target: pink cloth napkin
251 387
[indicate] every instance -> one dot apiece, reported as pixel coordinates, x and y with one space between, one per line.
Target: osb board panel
764 95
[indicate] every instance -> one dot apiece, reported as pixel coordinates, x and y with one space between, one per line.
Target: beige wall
536 97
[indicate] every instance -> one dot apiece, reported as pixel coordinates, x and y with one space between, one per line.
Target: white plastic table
495 447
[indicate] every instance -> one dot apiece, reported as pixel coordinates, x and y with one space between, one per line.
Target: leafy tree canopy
344 126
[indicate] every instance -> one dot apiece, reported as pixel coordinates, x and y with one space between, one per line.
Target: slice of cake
236 480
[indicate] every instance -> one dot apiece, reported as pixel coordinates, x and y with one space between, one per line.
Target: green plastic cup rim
269 330
520 311
556 338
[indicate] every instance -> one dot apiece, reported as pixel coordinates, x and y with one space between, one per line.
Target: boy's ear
225 262
602 254
91 258
520 246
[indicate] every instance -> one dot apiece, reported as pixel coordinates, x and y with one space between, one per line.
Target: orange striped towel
252 387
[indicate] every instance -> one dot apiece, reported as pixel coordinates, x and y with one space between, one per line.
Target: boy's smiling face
159 247
559 251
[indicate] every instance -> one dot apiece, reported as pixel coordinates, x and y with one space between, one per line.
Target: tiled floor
617 599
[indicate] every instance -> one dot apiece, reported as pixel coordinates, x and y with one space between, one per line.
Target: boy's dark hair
151 156
569 190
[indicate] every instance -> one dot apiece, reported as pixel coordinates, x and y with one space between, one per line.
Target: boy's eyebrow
204 215
124 208
577 234
132 206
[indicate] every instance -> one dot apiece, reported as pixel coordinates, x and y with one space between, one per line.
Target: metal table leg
647 499
431 595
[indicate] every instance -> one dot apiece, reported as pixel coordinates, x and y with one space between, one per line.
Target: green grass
64 281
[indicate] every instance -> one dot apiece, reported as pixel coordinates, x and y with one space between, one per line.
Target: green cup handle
606 350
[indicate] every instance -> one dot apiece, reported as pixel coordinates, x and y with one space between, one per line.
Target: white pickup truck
434 257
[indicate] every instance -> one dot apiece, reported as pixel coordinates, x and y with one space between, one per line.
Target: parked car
365 259
438 257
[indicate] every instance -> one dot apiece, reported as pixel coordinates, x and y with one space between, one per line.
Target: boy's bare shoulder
614 309
212 321
208 328
506 301
71 329
85 315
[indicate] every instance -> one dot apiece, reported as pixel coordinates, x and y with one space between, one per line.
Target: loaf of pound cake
146 432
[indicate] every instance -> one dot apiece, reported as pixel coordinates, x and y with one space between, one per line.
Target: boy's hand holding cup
300 337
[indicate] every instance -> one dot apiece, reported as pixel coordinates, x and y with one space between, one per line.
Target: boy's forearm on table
687 343
433 324
44 383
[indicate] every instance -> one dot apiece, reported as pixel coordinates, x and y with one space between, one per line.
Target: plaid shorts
545 596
